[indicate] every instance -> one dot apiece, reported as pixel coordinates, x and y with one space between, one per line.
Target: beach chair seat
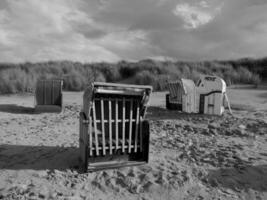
113 131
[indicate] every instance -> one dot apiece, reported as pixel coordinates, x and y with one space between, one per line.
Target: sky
114 30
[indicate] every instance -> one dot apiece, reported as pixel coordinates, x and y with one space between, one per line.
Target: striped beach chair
113 131
174 97
182 96
48 95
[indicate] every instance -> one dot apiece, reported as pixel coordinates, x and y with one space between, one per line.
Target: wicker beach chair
182 96
174 97
48 95
113 131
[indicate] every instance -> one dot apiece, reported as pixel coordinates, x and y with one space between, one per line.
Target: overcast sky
112 30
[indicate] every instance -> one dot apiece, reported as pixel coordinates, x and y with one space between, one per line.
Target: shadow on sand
13 108
249 177
159 113
38 157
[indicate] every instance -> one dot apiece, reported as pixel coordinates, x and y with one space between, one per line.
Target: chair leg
168 101
83 161
83 143
83 166
145 135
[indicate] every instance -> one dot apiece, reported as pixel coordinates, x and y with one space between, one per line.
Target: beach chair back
49 92
114 125
176 91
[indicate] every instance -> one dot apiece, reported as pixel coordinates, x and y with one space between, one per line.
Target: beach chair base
106 163
47 109
171 105
117 159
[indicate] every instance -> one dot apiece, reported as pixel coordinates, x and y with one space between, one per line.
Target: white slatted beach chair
113 132
212 95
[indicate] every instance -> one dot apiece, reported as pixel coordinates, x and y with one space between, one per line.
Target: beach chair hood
113 89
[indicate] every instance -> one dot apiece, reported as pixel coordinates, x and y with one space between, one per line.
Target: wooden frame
113 132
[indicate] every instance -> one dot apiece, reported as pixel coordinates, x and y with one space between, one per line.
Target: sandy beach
191 156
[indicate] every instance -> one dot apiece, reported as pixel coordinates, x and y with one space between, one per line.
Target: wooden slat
136 128
119 100
206 104
82 141
123 125
116 123
103 127
92 167
95 129
141 136
81 137
130 127
90 136
114 147
52 91
110 126
119 85
113 121
213 109
210 102
114 91
44 90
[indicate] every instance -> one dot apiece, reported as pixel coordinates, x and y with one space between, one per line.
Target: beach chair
174 97
48 96
113 131
182 96
212 95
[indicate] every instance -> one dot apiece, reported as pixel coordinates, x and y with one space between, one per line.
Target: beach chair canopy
212 94
210 84
176 90
183 93
113 132
188 86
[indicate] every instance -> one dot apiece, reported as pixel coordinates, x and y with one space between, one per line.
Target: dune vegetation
17 78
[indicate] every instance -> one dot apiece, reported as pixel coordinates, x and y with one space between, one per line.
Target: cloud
42 30
194 16
35 30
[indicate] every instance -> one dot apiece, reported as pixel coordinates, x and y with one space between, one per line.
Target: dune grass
16 78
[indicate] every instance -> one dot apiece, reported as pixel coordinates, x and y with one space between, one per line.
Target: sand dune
191 156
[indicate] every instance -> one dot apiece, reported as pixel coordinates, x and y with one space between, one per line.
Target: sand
191 156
